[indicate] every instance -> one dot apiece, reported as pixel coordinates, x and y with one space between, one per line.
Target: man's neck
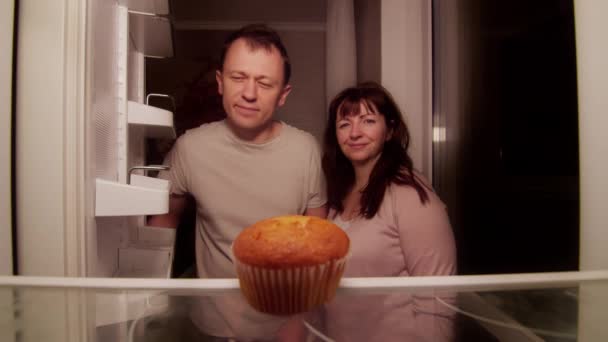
259 136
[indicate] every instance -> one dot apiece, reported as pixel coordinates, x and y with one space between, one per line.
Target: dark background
519 190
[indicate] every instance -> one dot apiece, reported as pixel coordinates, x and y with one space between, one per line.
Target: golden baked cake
290 264
288 241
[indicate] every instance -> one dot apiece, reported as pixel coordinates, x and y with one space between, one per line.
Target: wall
6 74
367 30
222 11
406 72
305 107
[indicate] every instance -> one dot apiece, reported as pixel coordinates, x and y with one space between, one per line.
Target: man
240 170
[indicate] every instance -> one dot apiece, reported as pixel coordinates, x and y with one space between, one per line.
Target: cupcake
290 264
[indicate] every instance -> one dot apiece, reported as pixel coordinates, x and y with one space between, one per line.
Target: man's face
251 85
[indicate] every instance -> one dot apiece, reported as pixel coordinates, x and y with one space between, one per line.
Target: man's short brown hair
259 36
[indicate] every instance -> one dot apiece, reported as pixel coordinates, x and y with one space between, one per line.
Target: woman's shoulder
405 206
407 194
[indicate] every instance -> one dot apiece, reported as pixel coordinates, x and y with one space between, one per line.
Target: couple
249 167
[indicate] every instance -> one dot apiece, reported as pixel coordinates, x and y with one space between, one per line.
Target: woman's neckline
350 219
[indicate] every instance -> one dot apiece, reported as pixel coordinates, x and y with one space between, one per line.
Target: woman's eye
342 125
369 121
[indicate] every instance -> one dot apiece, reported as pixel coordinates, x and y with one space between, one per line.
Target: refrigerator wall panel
50 152
107 235
6 83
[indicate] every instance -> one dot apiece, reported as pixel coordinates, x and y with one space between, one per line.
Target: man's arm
319 212
177 204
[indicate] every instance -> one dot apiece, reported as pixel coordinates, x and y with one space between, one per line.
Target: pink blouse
405 238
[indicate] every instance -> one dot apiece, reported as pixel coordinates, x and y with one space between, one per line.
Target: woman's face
361 136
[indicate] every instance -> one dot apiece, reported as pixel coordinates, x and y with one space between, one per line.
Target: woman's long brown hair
394 164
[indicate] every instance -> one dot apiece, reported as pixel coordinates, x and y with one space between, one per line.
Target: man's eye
265 85
237 78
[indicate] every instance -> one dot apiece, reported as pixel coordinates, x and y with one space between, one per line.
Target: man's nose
250 90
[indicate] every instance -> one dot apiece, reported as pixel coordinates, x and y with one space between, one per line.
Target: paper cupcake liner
289 291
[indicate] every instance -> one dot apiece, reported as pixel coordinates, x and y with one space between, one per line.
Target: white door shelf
149 182
151 34
159 7
118 199
158 122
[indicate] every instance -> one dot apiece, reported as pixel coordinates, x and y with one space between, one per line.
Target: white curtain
341 49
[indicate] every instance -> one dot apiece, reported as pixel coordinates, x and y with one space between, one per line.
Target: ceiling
294 11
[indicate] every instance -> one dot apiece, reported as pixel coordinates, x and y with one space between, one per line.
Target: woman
397 224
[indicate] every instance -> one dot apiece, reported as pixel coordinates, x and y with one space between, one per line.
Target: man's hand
319 212
177 204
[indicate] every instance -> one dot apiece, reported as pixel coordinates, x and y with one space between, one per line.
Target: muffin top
290 241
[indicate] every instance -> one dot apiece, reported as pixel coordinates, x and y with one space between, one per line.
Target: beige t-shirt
235 184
